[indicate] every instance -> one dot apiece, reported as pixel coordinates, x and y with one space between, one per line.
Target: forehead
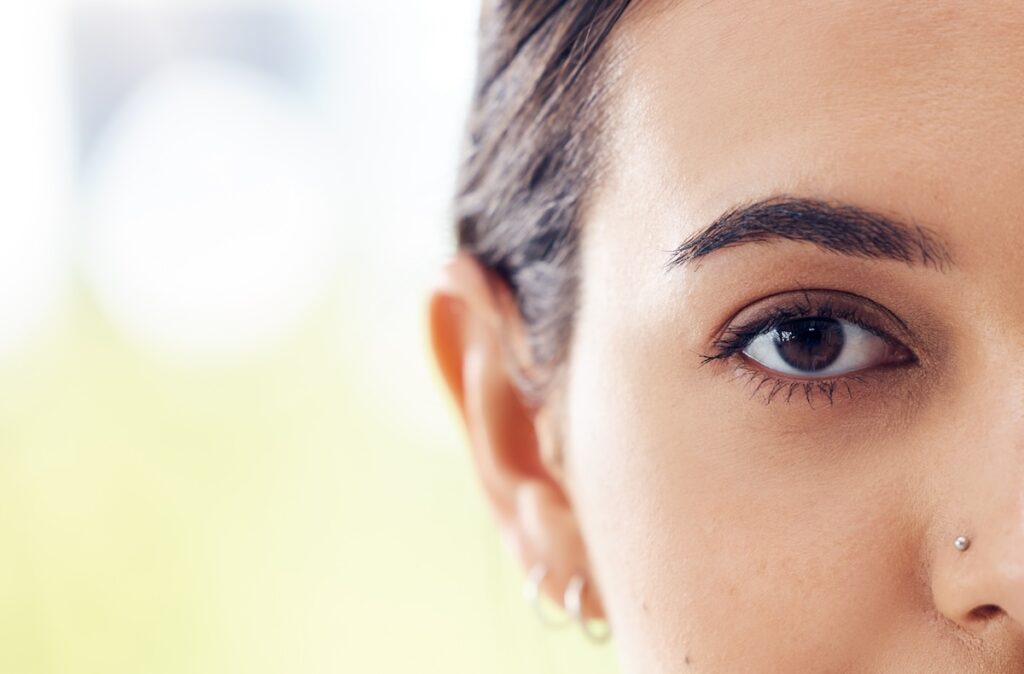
908 106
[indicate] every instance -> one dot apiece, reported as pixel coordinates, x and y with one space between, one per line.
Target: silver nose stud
962 543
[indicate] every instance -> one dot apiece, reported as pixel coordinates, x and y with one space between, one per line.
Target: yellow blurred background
223 447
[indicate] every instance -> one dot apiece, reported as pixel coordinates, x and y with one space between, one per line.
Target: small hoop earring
532 594
574 607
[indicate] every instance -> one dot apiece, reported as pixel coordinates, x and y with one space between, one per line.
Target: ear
478 336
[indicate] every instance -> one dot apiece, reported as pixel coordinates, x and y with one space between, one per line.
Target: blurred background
223 446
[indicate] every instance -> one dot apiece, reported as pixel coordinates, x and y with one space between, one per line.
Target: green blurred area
274 514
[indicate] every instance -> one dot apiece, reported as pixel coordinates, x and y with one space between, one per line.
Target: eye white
861 349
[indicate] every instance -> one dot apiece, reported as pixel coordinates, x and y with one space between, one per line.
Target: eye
819 347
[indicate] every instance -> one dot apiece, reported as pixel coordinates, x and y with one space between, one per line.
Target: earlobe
549 531
469 308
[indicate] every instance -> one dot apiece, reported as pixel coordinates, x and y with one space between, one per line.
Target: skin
721 532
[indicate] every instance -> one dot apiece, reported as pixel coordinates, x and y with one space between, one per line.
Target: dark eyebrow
837 228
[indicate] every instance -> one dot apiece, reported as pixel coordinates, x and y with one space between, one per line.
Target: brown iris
809 344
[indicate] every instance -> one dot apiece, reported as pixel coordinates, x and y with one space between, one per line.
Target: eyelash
732 343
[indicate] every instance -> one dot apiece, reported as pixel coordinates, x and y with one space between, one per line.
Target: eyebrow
834 227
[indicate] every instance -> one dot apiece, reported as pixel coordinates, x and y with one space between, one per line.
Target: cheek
707 548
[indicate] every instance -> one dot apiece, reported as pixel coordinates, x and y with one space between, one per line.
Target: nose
979 581
979 495
975 592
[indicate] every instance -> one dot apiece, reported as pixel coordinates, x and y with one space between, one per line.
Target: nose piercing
962 543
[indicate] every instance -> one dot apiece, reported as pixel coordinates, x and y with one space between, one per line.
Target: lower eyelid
827 391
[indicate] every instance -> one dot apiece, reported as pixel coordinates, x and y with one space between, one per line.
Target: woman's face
757 490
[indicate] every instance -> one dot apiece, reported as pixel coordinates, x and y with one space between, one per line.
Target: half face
777 427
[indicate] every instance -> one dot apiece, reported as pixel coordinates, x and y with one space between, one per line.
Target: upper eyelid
828 294
775 322
727 345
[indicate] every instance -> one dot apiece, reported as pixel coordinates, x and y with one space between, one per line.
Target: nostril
986 612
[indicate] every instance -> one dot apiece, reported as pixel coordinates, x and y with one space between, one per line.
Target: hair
531 155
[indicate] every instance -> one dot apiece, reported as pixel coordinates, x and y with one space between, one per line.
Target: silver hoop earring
532 595
574 607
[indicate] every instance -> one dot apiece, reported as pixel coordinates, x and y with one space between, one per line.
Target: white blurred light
34 169
212 228
406 100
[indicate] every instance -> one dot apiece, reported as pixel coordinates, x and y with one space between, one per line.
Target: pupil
809 344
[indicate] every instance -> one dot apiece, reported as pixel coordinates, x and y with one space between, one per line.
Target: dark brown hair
531 154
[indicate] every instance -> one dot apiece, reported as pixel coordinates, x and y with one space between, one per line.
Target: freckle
687 660
643 605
